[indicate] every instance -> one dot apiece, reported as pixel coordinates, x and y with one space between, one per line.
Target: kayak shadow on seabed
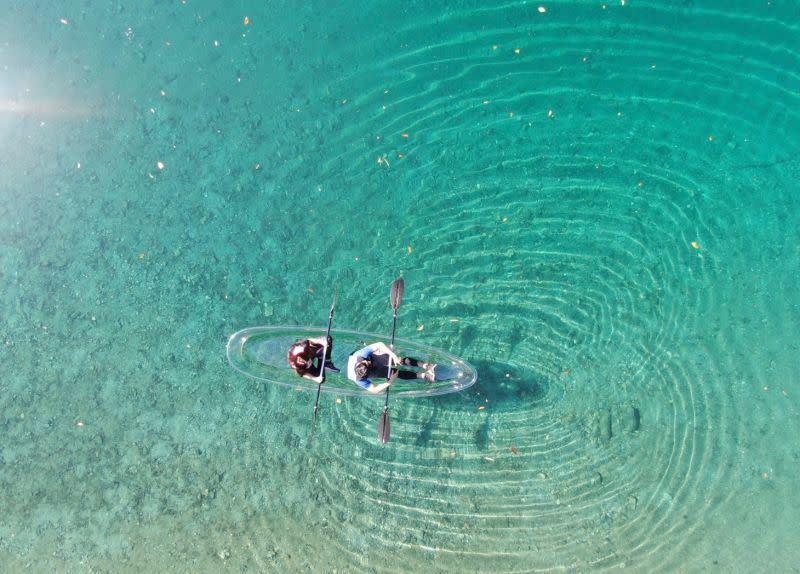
503 385
500 386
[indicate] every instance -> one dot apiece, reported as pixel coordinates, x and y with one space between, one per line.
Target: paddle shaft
324 356
394 327
395 298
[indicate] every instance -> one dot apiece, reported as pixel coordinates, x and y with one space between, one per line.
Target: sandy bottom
594 206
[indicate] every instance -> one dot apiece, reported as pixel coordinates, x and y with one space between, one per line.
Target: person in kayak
305 358
373 361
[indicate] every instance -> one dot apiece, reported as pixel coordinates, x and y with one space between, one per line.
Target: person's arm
377 389
383 349
320 343
319 379
312 374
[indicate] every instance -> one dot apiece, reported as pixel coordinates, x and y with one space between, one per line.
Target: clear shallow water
595 206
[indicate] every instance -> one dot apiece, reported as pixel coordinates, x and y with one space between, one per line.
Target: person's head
295 355
362 368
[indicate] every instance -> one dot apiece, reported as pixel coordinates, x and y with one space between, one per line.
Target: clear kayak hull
260 353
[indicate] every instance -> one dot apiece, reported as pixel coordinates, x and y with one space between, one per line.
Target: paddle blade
396 295
383 427
335 296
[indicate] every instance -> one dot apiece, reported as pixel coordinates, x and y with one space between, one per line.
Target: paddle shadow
426 432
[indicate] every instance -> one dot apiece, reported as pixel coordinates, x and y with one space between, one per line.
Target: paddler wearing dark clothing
305 358
374 361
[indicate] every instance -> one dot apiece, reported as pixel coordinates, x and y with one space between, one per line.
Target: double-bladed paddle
324 359
395 298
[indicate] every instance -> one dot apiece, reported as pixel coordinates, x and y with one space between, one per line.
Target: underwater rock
605 425
632 418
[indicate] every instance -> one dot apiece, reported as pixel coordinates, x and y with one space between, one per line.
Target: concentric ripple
568 178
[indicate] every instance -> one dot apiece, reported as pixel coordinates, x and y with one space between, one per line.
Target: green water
594 204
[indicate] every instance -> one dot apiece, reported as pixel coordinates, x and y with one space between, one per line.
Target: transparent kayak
260 353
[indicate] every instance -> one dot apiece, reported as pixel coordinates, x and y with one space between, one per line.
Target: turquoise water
594 204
